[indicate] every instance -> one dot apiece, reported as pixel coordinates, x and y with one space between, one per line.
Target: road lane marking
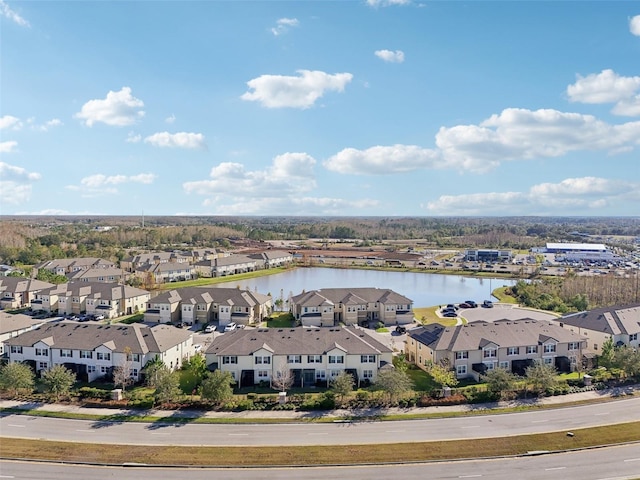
238 434
325 433
600 414
17 426
555 468
90 431
632 460
471 426
469 476
539 421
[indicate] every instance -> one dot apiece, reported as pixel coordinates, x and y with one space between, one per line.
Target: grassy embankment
317 455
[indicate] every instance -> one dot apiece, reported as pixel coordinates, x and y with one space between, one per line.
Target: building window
549 348
490 365
43 365
135 357
263 373
320 375
513 351
229 359
86 354
573 345
336 358
103 356
367 374
462 355
548 360
314 359
461 370
91 368
133 372
489 353
42 352
367 359
16 349
633 336
334 373
262 360
66 353
532 349
294 358
504 365
104 370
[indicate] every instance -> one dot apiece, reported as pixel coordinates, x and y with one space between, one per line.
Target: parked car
197 348
99 317
465 305
210 328
451 306
400 329
471 304
180 324
231 327
487 304
449 314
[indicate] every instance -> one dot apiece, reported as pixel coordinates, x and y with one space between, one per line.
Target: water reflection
425 289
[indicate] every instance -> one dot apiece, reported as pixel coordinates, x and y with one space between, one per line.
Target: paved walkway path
341 413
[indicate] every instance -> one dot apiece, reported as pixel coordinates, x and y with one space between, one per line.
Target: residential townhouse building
619 323
223 266
65 266
351 306
272 258
104 275
480 346
93 350
166 272
201 305
312 355
12 325
109 299
19 292
135 262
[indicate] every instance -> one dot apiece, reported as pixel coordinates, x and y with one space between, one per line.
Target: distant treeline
28 240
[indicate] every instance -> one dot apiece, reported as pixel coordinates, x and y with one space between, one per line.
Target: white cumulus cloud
302 91
390 56
634 25
176 140
46 126
387 3
133 138
382 160
8 146
9 121
100 184
116 109
7 12
608 87
283 25
15 183
589 193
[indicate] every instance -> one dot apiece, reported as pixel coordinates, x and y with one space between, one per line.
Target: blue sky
354 108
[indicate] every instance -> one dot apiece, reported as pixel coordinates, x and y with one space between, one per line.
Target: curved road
615 463
338 433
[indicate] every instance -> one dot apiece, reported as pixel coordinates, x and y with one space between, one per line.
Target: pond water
425 289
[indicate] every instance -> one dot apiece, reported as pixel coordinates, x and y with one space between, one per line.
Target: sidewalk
336 414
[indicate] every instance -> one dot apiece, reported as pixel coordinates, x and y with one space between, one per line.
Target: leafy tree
541 377
167 385
393 382
442 375
16 376
197 366
627 360
58 380
153 371
606 357
343 384
400 362
500 382
217 386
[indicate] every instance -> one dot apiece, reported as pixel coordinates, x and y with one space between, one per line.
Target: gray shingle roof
87 336
612 320
349 296
219 295
297 341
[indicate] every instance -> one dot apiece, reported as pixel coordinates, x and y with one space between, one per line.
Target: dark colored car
400 329
471 304
487 304
449 313
465 305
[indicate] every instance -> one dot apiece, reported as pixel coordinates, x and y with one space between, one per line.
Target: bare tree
282 378
122 372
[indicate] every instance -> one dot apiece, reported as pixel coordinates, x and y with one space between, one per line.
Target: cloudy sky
358 108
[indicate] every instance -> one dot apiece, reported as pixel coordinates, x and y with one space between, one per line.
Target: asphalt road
337 433
615 463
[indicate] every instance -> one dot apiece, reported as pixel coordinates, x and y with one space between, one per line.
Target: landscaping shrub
93 393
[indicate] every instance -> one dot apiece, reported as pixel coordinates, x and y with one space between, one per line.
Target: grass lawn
502 297
422 381
231 278
280 320
427 315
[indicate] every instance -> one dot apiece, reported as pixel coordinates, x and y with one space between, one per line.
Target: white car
231 327
210 329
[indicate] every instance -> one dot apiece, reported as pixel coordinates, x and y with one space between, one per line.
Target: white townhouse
93 350
109 299
479 346
223 266
131 264
64 266
312 355
18 292
166 272
12 325
620 323
193 305
272 258
351 306
104 275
